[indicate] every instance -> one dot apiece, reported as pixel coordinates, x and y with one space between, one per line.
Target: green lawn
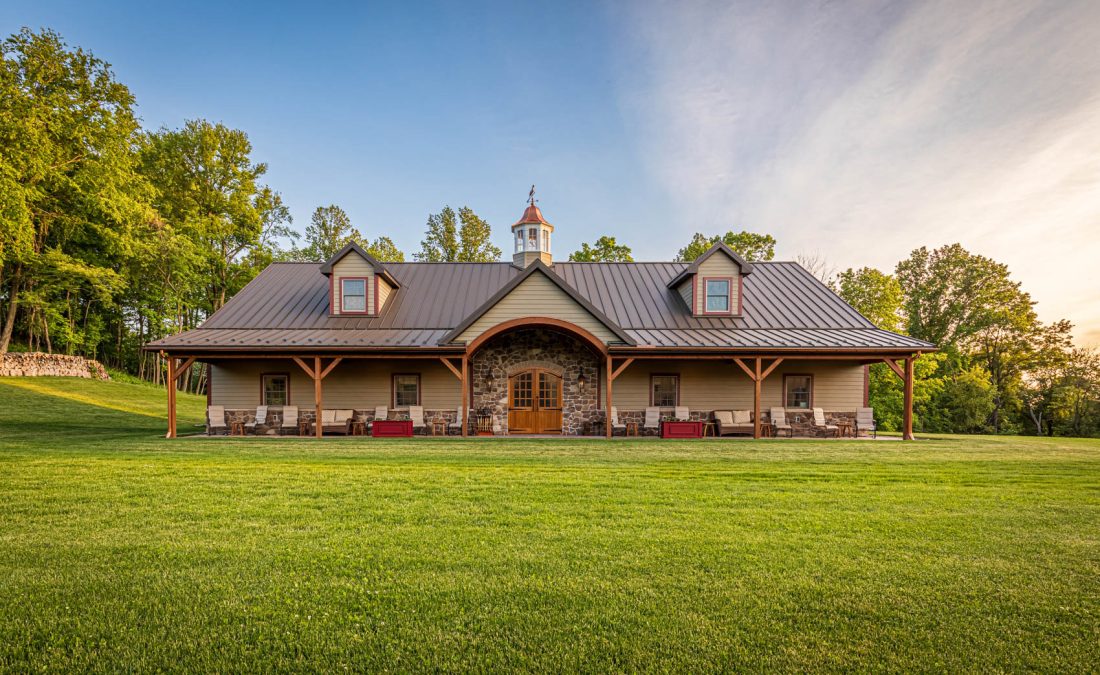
120 550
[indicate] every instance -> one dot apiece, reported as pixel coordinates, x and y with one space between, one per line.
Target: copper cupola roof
532 214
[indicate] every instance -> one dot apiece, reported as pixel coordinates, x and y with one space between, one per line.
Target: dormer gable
712 284
359 285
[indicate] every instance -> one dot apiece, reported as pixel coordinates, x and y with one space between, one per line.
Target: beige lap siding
361 384
384 290
538 296
722 385
352 265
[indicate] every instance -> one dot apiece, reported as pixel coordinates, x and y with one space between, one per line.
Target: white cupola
531 235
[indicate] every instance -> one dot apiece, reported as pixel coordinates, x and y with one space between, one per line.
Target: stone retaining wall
39 364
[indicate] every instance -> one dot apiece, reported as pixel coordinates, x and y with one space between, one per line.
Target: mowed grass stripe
121 550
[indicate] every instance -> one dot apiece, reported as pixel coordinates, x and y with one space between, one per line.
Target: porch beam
769 369
447 362
895 367
464 375
180 370
619 371
748 371
171 397
303 366
610 379
332 365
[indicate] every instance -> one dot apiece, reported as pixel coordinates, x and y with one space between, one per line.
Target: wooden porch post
757 374
756 401
171 397
608 375
907 433
317 395
465 395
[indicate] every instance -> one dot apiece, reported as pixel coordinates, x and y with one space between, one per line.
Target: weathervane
531 196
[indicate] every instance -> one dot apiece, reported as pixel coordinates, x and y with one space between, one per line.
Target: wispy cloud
865 130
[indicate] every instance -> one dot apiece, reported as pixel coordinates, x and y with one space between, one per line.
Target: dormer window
353 295
717 296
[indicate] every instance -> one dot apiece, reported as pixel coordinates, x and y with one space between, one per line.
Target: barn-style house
535 346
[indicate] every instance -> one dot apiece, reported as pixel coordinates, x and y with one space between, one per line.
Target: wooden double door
534 402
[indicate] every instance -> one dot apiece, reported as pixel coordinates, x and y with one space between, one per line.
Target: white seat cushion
724 417
328 417
741 417
343 415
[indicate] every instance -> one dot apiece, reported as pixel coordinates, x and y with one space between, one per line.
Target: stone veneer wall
510 353
39 364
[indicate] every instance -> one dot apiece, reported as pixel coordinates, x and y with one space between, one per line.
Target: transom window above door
717 296
353 295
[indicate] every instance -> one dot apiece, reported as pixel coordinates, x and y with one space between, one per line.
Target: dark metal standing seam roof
783 306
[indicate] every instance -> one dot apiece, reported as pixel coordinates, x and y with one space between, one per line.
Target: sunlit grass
120 550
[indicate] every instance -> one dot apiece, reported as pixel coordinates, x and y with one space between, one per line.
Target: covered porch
503 384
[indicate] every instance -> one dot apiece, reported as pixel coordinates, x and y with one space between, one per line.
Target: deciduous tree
446 241
873 294
606 249
749 245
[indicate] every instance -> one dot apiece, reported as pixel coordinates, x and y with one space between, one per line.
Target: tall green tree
749 245
462 238
70 194
384 250
208 188
606 249
873 294
329 230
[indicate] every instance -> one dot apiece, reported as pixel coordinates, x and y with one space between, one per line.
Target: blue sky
856 131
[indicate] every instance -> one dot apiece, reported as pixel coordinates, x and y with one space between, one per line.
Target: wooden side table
358 428
305 428
631 429
843 429
236 428
708 429
439 428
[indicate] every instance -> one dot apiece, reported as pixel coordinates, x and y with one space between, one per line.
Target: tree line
112 236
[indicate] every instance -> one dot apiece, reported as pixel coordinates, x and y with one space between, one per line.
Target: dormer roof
352 247
719 247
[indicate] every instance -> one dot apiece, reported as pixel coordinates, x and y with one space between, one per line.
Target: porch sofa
337 421
731 422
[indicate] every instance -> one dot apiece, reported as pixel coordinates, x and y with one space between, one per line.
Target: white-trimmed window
406 389
717 296
798 391
664 390
275 389
353 295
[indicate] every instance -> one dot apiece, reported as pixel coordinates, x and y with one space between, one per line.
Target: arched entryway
536 377
535 402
